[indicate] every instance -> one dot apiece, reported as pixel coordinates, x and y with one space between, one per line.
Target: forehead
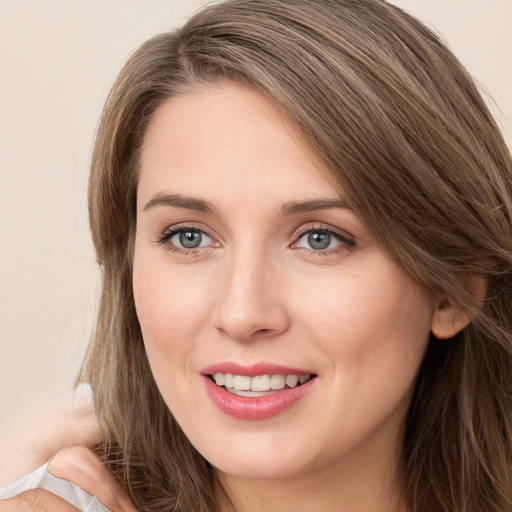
225 140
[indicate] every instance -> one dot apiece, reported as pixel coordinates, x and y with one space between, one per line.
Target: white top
41 478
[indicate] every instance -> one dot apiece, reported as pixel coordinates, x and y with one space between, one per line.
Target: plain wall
58 59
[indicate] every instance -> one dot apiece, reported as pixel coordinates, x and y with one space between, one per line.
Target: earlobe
448 319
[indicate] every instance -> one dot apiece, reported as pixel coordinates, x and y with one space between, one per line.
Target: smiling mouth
259 385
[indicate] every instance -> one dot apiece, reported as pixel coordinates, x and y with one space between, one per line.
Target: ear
448 319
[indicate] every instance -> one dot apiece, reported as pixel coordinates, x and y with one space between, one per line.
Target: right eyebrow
179 201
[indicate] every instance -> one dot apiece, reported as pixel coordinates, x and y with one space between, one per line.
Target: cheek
372 333
171 307
380 319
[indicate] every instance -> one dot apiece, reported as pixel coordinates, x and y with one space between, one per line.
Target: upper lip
253 370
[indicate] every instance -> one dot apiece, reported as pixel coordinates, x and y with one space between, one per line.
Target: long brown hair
406 136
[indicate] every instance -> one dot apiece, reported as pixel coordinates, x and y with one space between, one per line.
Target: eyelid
181 226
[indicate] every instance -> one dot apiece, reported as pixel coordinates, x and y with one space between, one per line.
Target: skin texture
256 291
36 501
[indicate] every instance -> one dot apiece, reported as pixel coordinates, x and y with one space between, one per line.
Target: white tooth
228 380
219 379
277 382
260 383
304 378
292 381
242 382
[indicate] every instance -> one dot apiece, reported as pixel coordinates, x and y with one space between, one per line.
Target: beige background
57 61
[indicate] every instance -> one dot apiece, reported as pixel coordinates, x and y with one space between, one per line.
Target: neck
364 481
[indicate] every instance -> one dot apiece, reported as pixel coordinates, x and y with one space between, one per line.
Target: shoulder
36 500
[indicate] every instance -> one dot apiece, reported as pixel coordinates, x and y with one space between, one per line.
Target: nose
250 303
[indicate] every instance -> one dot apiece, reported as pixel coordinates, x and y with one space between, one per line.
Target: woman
302 211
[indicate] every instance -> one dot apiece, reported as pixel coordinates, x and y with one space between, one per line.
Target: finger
66 421
80 466
84 428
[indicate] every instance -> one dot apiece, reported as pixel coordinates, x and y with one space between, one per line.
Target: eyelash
346 241
166 236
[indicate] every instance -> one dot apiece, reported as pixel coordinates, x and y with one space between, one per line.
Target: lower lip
255 408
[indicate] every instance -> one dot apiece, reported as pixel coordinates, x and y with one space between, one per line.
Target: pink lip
254 408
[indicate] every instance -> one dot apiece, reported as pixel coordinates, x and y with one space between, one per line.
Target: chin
270 458
257 469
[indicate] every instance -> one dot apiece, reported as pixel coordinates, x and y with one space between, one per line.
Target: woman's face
251 270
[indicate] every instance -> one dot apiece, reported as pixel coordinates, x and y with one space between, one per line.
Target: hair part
408 140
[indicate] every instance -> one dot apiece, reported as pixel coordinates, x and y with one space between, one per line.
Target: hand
69 420
80 466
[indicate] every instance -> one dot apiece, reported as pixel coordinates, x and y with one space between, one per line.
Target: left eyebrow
296 207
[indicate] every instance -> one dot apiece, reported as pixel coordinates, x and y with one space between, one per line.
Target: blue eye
322 240
318 240
187 239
